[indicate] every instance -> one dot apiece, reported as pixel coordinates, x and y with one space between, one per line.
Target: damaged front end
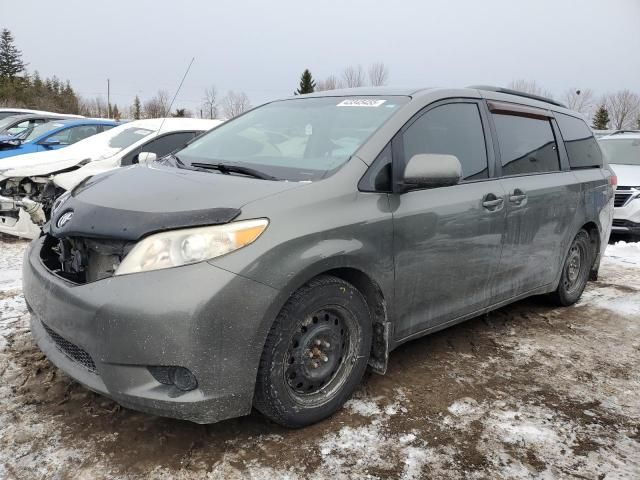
83 260
25 204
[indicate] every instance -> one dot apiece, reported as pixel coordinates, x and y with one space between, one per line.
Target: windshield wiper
228 168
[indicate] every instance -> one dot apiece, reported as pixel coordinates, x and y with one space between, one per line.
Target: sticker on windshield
360 102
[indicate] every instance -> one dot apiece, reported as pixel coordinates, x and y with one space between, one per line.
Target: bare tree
582 101
353 76
378 74
209 104
530 86
158 106
93 107
623 107
329 83
235 103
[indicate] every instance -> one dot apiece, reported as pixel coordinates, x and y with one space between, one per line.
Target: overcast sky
261 47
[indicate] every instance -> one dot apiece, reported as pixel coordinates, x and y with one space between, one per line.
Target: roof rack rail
489 88
617 132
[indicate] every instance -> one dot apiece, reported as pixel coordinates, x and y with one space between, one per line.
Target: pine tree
601 118
38 85
11 63
307 84
137 108
115 113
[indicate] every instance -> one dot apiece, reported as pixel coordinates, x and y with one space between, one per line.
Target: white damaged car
30 183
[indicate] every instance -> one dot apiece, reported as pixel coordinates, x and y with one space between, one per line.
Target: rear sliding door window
527 145
582 148
454 129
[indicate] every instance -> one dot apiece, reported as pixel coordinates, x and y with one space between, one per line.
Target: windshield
5 122
298 139
109 143
42 129
622 151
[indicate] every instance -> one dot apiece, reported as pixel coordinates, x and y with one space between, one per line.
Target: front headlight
190 245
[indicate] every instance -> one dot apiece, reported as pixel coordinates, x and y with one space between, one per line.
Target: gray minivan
273 259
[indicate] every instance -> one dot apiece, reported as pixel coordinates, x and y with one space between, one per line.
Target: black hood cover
82 220
130 203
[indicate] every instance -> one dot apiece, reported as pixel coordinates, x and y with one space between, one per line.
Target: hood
132 202
41 163
68 180
628 175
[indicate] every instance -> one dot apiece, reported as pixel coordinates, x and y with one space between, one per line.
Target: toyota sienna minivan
273 259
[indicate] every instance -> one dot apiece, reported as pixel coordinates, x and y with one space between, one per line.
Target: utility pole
108 98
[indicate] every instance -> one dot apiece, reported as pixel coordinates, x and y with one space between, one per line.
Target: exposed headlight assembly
190 245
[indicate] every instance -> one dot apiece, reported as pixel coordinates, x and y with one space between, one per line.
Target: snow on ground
528 391
626 254
10 264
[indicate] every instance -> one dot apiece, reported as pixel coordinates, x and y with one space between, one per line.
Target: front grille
621 199
71 350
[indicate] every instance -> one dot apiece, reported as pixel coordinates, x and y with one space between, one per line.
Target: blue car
52 135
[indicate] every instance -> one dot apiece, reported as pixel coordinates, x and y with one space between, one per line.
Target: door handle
491 202
517 196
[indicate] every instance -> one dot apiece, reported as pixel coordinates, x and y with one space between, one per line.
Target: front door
447 240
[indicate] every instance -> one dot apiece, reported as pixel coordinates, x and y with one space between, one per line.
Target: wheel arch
594 236
364 282
372 293
594 231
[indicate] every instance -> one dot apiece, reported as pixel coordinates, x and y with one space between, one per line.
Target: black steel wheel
575 270
315 354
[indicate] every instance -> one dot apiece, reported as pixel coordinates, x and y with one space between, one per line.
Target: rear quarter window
582 148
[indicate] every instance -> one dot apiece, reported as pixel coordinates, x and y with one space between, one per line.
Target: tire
315 354
575 270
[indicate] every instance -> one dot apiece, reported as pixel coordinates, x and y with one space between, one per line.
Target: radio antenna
175 95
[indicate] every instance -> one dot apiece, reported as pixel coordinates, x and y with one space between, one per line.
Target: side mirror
146 158
429 170
50 142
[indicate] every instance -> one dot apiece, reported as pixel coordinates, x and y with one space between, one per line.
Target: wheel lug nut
315 364
310 354
327 345
318 343
325 359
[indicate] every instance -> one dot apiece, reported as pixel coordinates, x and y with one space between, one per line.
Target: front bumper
22 227
201 317
626 218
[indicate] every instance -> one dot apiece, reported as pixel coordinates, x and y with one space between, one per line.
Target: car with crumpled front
272 260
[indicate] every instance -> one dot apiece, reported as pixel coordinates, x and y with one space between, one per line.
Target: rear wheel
575 271
315 354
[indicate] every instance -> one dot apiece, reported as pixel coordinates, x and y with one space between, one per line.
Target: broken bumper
107 333
22 227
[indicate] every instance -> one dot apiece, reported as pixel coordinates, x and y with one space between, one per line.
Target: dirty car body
191 341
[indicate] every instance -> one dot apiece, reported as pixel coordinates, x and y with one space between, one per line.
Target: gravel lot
528 391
